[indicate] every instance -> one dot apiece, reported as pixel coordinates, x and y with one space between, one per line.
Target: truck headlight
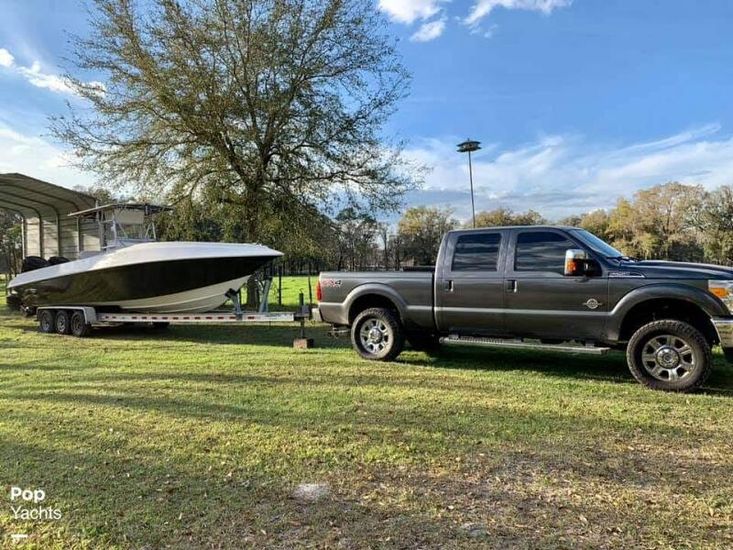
724 291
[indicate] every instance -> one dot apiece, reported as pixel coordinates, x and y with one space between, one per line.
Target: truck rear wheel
669 355
376 334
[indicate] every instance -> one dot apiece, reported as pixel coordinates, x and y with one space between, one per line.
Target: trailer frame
48 318
79 320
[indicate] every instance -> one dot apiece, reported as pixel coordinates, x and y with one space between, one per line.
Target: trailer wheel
63 323
79 326
377 335
46 320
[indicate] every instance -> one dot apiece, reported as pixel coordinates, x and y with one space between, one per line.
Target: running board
520 344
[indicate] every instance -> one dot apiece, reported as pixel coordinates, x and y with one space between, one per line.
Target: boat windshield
119 224
126 226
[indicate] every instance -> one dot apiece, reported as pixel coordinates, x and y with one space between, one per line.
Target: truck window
478 252
541 251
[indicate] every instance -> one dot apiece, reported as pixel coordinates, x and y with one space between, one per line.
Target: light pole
467 147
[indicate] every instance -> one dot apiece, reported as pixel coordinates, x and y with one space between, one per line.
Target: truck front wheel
669 355
376 334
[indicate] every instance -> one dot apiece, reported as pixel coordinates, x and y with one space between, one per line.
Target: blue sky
576 102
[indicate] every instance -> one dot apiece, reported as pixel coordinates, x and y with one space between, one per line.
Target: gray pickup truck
541 287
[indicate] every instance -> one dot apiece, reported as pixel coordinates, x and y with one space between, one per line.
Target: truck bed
413 290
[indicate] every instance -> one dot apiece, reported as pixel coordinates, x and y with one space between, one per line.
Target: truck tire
376 334
46 321
669 355
63 322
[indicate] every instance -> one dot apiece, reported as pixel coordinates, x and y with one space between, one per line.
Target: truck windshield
597 245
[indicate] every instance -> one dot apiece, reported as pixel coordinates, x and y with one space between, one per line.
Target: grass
291 289
197 437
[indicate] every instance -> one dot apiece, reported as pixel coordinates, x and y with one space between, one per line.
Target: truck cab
513 281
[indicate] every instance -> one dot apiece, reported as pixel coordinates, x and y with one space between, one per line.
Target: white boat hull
198 300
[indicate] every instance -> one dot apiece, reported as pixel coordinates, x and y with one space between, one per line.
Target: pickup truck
543 287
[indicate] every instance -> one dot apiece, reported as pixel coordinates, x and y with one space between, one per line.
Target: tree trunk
253 236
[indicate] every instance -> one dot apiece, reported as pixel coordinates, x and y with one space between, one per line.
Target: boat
134 272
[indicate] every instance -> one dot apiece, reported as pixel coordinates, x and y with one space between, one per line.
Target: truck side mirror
576 261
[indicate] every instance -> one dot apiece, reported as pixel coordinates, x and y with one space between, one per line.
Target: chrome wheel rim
375 335
61 323
668 358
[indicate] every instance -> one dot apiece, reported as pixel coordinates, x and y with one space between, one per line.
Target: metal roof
148 208
44 209
33 198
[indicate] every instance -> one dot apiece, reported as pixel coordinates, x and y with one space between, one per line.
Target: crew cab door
540 300
469 279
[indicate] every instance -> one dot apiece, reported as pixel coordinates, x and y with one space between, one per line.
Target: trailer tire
377 335
62 323
79 326
46 321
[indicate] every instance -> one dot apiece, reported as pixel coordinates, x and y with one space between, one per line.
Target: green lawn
291 288
197 437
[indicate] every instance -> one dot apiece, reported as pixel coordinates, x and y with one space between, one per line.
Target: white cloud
482 8
34 156
429 31
6 58
563 175
433 17
409 11
40 79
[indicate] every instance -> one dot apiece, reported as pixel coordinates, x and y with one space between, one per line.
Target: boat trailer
80 320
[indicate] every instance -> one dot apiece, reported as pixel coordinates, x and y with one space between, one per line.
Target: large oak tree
276 106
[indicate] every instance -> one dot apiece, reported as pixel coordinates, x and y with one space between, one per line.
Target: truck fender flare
375 289
685 293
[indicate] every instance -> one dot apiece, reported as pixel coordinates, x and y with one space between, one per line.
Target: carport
44 208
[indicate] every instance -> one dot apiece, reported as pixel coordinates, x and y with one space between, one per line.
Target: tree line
671 221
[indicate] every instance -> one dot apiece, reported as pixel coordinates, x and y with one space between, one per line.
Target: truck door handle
448 286
511 285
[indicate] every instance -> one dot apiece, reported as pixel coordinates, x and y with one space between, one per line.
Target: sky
576 102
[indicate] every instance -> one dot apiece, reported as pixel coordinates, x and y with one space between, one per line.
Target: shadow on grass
610 368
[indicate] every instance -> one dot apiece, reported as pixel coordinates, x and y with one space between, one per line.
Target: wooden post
302 342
